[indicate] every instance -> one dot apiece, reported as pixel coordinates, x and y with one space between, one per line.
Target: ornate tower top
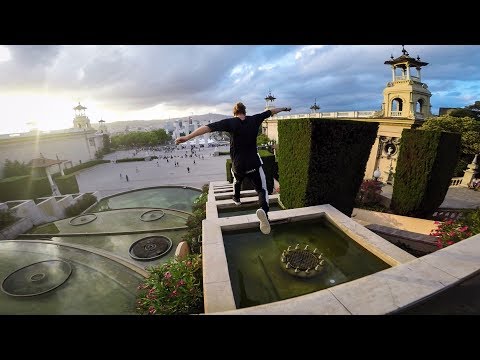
81 121
406 96
315 107
269 100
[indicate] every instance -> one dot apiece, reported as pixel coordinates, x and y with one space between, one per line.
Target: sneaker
264 224
236 201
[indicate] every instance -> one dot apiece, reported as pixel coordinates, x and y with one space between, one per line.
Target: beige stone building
406 103
74 145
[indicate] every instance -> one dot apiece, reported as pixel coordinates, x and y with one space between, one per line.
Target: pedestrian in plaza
126 177
246 163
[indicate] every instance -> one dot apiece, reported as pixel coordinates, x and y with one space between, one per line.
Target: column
393 73
197 145
418 74
408 72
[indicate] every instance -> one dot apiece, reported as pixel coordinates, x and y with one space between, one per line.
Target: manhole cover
37 278
150 248
152 215
302 262
82 219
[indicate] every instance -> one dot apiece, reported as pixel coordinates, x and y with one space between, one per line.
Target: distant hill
121 125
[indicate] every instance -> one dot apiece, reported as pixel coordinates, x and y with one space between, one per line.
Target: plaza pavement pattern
106 179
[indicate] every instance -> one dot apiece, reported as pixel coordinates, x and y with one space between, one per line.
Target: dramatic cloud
130 79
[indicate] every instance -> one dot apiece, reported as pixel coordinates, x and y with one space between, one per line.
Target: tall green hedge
268 166
67 184
425 165
24 187
323 161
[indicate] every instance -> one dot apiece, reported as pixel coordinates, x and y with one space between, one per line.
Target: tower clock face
390 149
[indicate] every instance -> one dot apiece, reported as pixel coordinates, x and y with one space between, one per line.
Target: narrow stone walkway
456 198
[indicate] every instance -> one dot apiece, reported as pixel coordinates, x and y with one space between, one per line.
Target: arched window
419 106
397 107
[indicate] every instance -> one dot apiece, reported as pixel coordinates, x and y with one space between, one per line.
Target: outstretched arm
277 110
200 131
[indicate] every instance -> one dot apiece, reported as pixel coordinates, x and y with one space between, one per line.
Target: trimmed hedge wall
67 184
425 165
23 188
83 166
268 166
323 161
130 160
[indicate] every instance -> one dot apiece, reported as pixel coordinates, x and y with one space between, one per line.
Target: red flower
189 263
152 310
449 242
167 275
181 282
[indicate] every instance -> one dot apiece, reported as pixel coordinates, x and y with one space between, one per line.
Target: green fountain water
258 274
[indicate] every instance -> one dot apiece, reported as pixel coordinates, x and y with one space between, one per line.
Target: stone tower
270 99
81 121
406 96
102 127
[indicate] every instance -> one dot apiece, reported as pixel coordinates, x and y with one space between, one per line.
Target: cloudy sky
39 85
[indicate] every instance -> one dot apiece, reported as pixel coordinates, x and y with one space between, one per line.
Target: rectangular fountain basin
242 267
258 276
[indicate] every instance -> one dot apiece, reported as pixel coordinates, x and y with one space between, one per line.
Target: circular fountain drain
150 248
82 219
37 278
152 215
302 262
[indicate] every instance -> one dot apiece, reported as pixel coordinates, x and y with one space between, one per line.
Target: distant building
445 110
75 145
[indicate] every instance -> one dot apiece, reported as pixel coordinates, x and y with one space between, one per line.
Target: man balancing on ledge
246 162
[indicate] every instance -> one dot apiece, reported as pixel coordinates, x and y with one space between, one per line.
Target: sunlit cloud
41 84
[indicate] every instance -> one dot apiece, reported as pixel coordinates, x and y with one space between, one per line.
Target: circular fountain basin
82 219
150 248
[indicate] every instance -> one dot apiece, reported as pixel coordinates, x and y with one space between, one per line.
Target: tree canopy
472 111
140 138
469 129
15 168
466 126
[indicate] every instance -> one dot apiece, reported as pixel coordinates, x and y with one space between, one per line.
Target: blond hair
239 108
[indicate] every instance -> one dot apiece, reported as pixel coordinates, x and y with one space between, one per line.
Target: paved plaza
106 179
456 198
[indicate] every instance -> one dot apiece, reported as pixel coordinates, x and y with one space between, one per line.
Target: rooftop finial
418 57
403 50
391 56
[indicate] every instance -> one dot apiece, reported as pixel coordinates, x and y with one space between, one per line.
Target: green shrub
322 161
173 288
24 187
83 166
6 218
130 160
223 153
471 218
194 221
77 208
425 166
67 184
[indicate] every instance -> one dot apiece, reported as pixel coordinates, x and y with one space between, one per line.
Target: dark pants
259 181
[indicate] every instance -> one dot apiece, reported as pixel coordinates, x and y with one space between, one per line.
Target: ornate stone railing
395 113
456 181
336 114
